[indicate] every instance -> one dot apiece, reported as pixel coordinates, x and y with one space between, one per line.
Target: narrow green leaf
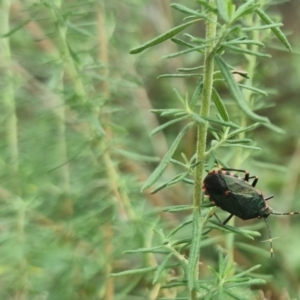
164 163
160 232
165 112
247 271
248 283
201 41
161 267
143 270
176 283
183 224
175 208
228 270
198 119
181 100
222 9
180 75
243 42
171 111
251 88
217 275
207 5
247 233
183 113
234 295
144 250
262 27
233 279
179 163
197 93
179 53
280 35
135 271
243 129
176 179
190 69
223 264
182 42
136 156
219 122
274 128
163 37
247 51
16 28
186 242
239 141
244 9
220 105
188 181
236 92
241 146
167 124
187 10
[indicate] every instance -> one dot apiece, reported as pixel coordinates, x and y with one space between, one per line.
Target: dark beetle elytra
238 196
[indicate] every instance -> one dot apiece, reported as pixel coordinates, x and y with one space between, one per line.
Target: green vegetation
78 103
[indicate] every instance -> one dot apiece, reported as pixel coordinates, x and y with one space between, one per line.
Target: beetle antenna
270 239
286 213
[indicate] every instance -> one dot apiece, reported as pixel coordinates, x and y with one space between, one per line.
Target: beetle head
265 212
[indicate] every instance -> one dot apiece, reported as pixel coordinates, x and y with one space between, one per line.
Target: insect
238 196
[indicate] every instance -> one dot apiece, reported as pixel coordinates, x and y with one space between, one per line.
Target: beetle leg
269 197
218 218
254 181
227 219
246 176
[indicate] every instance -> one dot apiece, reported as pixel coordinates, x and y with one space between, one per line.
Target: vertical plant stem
114 180
200 151
11 131
64 170
7 94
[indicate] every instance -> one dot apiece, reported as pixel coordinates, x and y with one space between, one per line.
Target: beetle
236 195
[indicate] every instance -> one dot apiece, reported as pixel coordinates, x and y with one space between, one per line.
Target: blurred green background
75 150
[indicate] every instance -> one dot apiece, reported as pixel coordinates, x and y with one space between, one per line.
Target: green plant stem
99 141
11 131
66 56
62 145
201 147
7 95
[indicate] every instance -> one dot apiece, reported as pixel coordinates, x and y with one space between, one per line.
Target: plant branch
200 151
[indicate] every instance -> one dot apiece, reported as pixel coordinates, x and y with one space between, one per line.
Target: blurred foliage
75 152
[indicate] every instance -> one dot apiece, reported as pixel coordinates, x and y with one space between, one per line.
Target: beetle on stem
238 196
